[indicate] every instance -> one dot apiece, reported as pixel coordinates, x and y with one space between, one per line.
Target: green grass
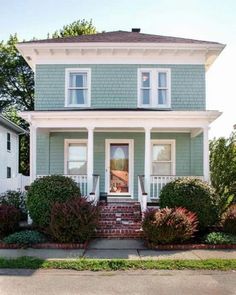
117 264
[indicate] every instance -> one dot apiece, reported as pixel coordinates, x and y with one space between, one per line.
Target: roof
121 37
10 125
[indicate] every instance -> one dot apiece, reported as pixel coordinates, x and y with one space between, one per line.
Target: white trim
205 154
130 142
154 87
172 142
66 144
78 70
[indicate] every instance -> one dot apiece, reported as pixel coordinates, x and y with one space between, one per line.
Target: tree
80 27
223 168
17 82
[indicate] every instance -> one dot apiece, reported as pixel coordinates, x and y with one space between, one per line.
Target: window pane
161 152
162 96
162 80
77 96
8 172
145 79
161 168
78 80
77 152
77 168
145 94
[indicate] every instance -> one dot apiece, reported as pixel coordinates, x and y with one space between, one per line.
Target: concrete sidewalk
114 248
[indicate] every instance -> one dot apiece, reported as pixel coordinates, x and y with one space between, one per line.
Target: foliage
169 225
16 199
79 27
27 237
223 168
219 238
195 195
74 220
44 192
229 220
9 219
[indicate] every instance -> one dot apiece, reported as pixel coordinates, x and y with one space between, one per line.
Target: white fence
14 184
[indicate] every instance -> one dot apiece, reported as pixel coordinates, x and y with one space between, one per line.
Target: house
120 112
10 179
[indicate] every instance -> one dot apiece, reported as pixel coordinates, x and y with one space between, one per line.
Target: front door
119 167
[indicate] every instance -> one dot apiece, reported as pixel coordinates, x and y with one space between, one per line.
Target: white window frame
154 87
66 154
68 71
172 142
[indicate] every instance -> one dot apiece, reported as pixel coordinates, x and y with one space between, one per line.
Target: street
61 282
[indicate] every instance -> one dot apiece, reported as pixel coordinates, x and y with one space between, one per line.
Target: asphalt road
24 282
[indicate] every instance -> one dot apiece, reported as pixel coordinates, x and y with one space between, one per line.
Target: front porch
129 158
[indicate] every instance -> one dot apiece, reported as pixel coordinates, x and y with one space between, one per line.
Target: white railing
17 183
81 180
95 194
142 195
158 182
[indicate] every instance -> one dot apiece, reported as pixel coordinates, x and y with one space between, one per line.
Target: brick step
121 233
120 215
113 222
120 226
120 210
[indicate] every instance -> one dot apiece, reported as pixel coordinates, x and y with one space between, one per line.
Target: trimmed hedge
74 220
229 220
44 192
195 195
169 225
26 238
9 219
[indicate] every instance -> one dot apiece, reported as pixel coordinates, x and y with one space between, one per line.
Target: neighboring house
120 112
10 179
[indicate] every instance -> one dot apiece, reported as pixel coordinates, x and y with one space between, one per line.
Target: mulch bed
65 246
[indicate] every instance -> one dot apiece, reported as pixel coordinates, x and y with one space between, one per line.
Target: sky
212 20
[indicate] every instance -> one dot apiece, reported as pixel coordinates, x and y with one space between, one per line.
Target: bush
73 221
44 193
229 220
217 238
25 238
16 199
195 195
169 225
9 219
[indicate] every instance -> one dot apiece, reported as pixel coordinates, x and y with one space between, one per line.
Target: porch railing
157 182
142 194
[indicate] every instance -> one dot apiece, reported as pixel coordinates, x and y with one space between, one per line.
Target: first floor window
76 158
163 158
8 172
78 87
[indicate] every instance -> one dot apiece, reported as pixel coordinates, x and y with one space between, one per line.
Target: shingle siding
115 86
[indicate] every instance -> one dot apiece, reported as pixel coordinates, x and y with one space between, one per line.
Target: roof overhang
10 125
42 53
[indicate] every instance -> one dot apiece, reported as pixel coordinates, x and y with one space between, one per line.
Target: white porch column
205 154
33 149
90 159
147 162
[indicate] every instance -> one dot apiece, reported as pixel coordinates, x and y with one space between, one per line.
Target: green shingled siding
115 86
50 152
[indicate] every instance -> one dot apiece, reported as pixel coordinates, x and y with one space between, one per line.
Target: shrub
9 219
73 221
169 225
16 199
229 220
217 238
28 237
195 195
44 193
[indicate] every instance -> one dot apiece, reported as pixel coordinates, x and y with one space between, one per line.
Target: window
8 141
78 87
154 88
8 172
163 157
76 158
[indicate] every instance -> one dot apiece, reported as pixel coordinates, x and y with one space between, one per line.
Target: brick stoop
119 220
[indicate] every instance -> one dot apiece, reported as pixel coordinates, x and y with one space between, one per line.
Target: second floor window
8 141
154 88
77 87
